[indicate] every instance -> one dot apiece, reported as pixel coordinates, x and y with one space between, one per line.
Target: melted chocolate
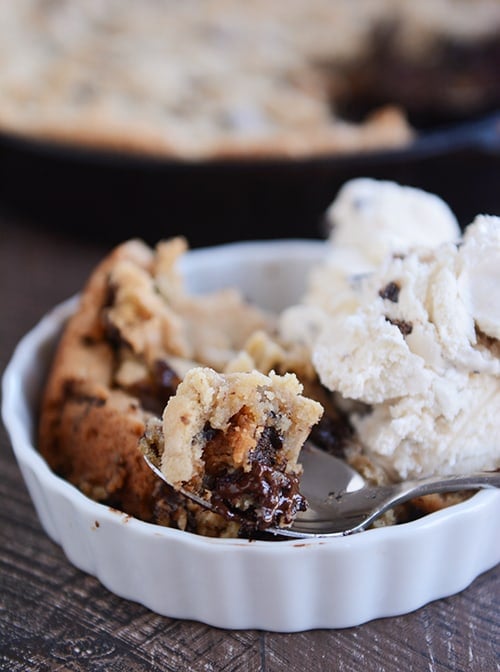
155 391
261 497
332 434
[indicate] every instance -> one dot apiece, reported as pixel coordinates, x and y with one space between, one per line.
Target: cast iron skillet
112 197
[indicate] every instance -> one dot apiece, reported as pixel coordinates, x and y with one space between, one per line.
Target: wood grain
54 617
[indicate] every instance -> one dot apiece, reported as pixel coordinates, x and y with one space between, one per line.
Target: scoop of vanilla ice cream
452 428
482 242
374 218
421 349
369 221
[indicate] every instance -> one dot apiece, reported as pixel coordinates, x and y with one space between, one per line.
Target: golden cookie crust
114 369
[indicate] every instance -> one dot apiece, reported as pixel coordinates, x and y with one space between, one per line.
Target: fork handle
352 512
437 484
376 500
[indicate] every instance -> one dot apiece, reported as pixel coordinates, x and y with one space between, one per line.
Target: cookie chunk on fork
234 439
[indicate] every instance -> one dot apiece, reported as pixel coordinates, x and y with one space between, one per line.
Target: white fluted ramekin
282 586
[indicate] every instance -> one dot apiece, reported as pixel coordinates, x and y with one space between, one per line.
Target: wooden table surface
55 617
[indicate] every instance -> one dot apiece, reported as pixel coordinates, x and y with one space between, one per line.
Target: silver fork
340 511
341 503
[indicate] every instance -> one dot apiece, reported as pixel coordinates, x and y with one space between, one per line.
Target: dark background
109 197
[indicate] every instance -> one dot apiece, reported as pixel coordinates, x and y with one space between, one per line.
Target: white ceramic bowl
279 586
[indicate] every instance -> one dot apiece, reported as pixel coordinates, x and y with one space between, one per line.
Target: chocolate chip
88 341
390 292
209 433
112 334
268 445
404 327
